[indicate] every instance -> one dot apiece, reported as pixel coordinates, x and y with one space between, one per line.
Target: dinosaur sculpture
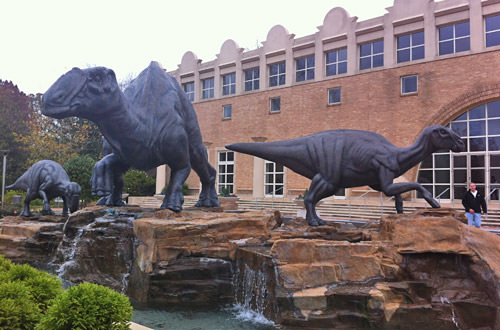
47 179
150 124
351 158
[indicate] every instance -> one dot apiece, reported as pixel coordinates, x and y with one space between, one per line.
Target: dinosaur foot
26 214
47 212
110 201
175 208
207 202
315 222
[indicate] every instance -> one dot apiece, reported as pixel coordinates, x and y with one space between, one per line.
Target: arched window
446 174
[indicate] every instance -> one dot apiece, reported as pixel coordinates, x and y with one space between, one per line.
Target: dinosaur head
72 193
444 138
86 93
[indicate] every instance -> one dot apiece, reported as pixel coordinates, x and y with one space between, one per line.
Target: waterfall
101 251
251 294
69 256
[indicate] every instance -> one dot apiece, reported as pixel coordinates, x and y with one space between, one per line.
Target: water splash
251 294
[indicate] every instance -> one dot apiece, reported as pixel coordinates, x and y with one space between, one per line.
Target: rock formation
425 270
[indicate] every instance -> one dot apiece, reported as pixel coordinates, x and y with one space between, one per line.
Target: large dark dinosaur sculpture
351 158
47 179
150 124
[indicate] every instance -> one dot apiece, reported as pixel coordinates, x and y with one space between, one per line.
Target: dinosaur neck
414 154
120 126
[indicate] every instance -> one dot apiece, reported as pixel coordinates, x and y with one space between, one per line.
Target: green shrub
42 286
138 183
88 306
79 169
5 264
18 310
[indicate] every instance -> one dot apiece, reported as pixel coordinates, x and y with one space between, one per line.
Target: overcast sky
41 40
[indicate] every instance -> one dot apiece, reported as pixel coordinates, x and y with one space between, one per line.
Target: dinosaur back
156 98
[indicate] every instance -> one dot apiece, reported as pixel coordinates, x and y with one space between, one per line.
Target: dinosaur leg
107 180
173 197
398 203
391 189
319 189
65 207
207 174
398 200
26 208
45 186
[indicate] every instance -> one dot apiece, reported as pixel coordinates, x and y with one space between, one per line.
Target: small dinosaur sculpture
351 158
47 179
150 124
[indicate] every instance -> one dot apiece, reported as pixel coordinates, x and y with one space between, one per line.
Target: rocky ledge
425 270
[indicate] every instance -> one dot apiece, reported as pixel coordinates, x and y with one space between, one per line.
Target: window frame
225 163
273 184
227 107
229 84
189 93
207 92
254 81
372 55
271 104
454 39
279 74
340 95
307 70
336 62
486 32
411 47
403 93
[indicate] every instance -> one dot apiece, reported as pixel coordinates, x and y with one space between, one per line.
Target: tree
138 183
59 140
79 169
14 120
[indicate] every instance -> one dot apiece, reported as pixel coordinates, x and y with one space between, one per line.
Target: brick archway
465 102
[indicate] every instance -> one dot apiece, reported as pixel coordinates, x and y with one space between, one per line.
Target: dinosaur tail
288 153
19 184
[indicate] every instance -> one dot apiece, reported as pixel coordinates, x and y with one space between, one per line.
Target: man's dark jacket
475 203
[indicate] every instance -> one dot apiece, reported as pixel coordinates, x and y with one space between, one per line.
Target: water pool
229 318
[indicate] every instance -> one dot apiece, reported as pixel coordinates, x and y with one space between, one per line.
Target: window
226 111
336 62
492 26
229 84
252 79
207 91
226 172
189 90
274 175
334 95
304 68
275 105
277 74
454 38
371 55
409 84
447 173
411 47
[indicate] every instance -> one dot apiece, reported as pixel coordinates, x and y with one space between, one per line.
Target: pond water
230 318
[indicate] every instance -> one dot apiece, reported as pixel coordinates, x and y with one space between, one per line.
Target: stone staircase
339 209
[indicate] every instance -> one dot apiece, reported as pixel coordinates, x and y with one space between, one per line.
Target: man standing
473 202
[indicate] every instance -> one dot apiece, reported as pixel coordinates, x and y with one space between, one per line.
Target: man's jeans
473 219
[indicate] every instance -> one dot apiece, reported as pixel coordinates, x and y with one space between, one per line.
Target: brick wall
370 101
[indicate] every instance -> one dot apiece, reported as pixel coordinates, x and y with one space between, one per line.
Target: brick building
422 63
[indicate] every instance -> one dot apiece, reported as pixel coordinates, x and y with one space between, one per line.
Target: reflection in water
224 319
